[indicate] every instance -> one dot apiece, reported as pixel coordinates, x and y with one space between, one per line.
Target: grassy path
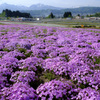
32 23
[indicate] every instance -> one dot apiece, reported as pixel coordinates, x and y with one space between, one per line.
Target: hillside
41 10
75 11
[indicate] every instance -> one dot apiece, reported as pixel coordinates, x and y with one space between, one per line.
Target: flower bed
49 63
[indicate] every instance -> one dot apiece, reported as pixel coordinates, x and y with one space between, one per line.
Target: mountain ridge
41 10
32 7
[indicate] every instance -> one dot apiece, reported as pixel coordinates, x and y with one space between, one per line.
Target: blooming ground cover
49 63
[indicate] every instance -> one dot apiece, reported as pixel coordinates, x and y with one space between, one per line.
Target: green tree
78 15
2 14
9 13
67 14
94 15
51 15
97 15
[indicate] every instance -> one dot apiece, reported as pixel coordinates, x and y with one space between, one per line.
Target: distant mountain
42 7
41 10
12 7
81 10
32 7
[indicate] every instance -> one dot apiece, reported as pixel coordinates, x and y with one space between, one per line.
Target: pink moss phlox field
49 63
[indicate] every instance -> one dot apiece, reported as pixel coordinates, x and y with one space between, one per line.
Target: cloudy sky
56 3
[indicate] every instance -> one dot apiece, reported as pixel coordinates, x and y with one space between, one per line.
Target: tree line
9 13
65 15
94 15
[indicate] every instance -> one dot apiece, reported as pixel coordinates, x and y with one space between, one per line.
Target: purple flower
19 91
31 64
25 77
54 89
88 94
